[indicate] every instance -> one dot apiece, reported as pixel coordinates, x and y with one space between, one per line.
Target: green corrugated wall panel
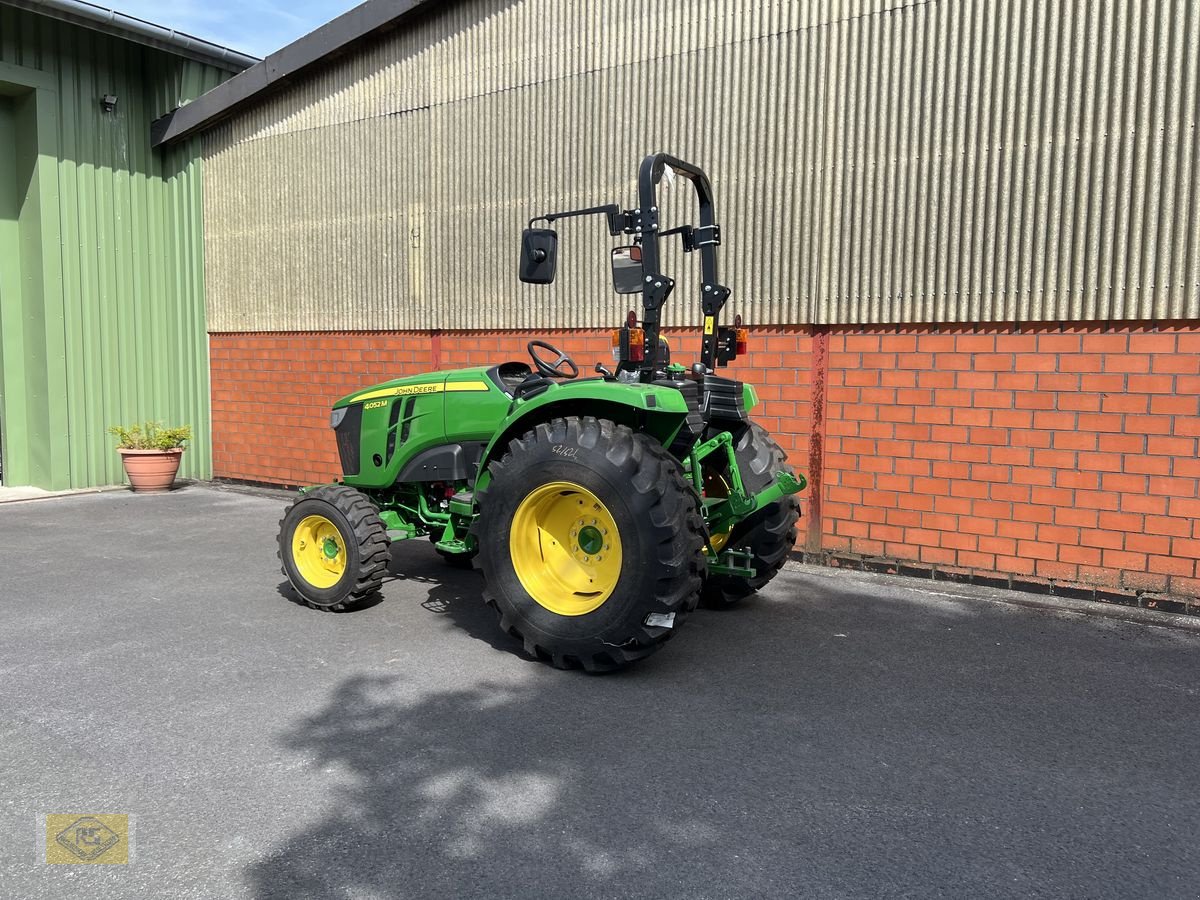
114 330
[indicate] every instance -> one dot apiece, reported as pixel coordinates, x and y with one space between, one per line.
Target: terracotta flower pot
151 471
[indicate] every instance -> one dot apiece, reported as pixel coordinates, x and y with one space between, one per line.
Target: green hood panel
405 417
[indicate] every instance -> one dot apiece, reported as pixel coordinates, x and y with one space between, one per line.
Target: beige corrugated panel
874 162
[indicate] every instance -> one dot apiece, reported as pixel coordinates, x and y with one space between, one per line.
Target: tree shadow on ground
557 783
538 782
838 746
457 793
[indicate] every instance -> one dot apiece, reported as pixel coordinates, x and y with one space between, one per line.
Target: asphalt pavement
838 736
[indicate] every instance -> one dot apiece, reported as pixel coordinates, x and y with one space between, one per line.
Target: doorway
24 435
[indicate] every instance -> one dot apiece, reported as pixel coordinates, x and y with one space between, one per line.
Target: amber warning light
741 336
628 344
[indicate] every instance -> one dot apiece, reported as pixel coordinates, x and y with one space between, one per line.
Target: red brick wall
1065 453
271 393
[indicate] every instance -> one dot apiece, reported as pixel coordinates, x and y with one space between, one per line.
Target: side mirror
539 254
627 269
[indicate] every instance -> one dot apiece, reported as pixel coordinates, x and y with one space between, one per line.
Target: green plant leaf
150 436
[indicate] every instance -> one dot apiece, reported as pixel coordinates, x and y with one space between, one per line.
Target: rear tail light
637 345
628 344
742 342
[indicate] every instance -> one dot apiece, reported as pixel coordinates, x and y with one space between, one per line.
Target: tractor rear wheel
769 534
590 543
334 547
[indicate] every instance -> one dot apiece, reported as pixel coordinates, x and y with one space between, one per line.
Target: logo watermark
78 839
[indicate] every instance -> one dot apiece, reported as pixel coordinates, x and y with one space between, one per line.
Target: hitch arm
728 511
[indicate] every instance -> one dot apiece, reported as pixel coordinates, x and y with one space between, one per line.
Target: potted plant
150 454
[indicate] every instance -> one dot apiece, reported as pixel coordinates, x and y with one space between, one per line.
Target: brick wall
1064 453
271 395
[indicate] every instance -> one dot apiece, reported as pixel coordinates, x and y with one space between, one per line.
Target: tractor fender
652 409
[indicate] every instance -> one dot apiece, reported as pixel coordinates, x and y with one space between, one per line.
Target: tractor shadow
287 592
454 594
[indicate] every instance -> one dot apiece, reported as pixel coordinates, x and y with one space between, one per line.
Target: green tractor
600 510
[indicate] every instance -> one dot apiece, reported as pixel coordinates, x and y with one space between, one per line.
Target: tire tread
770 533
369 533
674 519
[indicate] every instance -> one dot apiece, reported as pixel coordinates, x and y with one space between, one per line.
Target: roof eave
131 28
327 42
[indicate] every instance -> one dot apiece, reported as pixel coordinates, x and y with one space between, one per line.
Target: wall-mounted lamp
108 102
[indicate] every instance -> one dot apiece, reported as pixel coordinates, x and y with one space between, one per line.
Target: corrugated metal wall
119 318
919 161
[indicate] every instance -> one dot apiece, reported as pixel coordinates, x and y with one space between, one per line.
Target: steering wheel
554 369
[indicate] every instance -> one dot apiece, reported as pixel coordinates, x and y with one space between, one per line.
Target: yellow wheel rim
319 551
565 548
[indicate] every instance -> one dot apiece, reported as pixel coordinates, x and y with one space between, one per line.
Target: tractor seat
510 374
517 379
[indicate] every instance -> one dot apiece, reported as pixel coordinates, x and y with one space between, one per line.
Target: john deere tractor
601 510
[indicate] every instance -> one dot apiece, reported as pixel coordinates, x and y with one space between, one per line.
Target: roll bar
657 286
643 223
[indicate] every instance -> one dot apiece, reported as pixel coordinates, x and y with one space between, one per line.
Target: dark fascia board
327 42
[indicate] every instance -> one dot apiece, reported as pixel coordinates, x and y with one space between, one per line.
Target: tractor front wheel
590 543
334 547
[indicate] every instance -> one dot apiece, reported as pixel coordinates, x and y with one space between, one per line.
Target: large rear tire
590 543
769 534
333 547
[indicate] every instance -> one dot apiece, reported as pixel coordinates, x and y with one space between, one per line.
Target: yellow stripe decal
435 387
466 386
708 324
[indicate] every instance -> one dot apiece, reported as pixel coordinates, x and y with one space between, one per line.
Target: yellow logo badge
75 839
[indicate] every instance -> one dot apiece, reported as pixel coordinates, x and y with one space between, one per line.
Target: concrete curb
1045 602
253 490
55 495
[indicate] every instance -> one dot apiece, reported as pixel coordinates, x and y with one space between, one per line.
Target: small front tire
333 547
